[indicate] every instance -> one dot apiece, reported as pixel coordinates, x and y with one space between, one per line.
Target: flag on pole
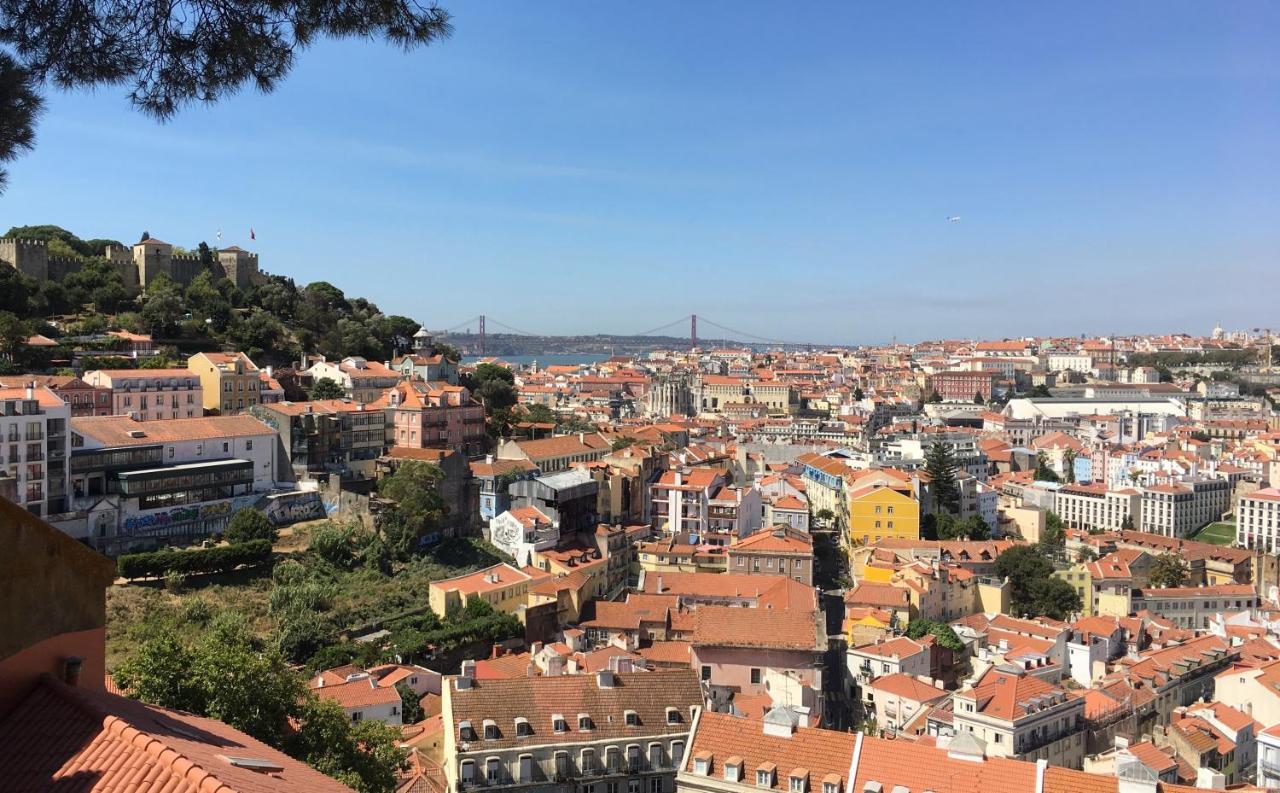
252 236
219 235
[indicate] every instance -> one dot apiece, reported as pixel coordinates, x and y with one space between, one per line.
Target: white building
1177 510
1094 507
1258 520
520 531
169 480
33 441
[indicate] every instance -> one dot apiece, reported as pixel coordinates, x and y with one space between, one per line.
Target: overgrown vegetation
218 559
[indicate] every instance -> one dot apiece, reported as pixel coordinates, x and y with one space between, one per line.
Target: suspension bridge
483 325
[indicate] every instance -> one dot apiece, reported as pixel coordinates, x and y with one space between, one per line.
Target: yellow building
502 586
669 556
1077 575
882 510
230 382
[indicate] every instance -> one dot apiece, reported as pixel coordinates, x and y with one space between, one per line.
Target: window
248 446
655 784
357 716
490 730
890 510
755 677
677 752
702 765
798 784
523 728
673 716
633 786
588 761
584 722
558 723
562 765
226 447
468 770
612 759
632 718
706 672
732 772
764 777
830 787
491 772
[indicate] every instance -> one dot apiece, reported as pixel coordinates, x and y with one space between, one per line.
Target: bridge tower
482 335
693 332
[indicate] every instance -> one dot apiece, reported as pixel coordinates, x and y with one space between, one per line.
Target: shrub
251 524
222 559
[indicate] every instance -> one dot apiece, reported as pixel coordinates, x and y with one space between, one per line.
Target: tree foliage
1033 589
940 465
250 524
419 509
219 559
327 388
224 676
939 630
1168 570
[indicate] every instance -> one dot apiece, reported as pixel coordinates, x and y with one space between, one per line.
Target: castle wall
185 268
59 267
29 257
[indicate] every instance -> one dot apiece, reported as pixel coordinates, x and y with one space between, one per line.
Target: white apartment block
1258 520
1093 507
1177 510
33 447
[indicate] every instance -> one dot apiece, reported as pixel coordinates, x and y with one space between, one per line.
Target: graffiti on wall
287 508
171 517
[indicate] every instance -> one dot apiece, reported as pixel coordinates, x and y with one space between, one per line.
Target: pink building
434 415
151 393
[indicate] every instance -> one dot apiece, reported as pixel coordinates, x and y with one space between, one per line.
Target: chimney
31 392
535 648
496 652
488 458
660 589
582 438
71 670
319 681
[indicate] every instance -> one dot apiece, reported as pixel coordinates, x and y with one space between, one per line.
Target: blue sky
786 169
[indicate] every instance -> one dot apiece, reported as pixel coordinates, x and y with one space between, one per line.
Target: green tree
410 707
1168 570
1054 598
1127 523
419 508
1040 392
825 516
1069 463
14 333
263 337
172 55
940 465
934 397
207 301
1023 565
222 675
1043 472
163 307
941 631
250 524
978 399
495 387
858 395
1054 534
327 388
539 414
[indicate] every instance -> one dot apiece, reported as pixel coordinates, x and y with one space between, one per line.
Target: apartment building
363 380
425 415
961 386
1258 520
1093 507
882 510
34 446
884 657
557 453
778 550
149 394
231 383
680 501
82 398
1194 607
1177 510
502 586
1022 717
326 436
609 732
733 512
166 481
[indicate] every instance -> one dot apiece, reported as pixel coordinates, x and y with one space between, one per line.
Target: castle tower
29 257
240 266
152 257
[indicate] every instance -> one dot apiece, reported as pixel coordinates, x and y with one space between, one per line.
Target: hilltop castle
138 266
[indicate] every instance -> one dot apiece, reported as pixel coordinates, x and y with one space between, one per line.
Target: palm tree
1069 456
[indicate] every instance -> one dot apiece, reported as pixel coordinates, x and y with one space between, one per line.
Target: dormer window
673 715
702 763
558 724
584 722
490 730
466 732
733 769
764 775
523 728
632 718
831 783
799 780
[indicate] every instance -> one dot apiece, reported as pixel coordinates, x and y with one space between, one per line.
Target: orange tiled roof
120 430
94 742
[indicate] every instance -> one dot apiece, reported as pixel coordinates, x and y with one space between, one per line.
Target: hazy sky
786 169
